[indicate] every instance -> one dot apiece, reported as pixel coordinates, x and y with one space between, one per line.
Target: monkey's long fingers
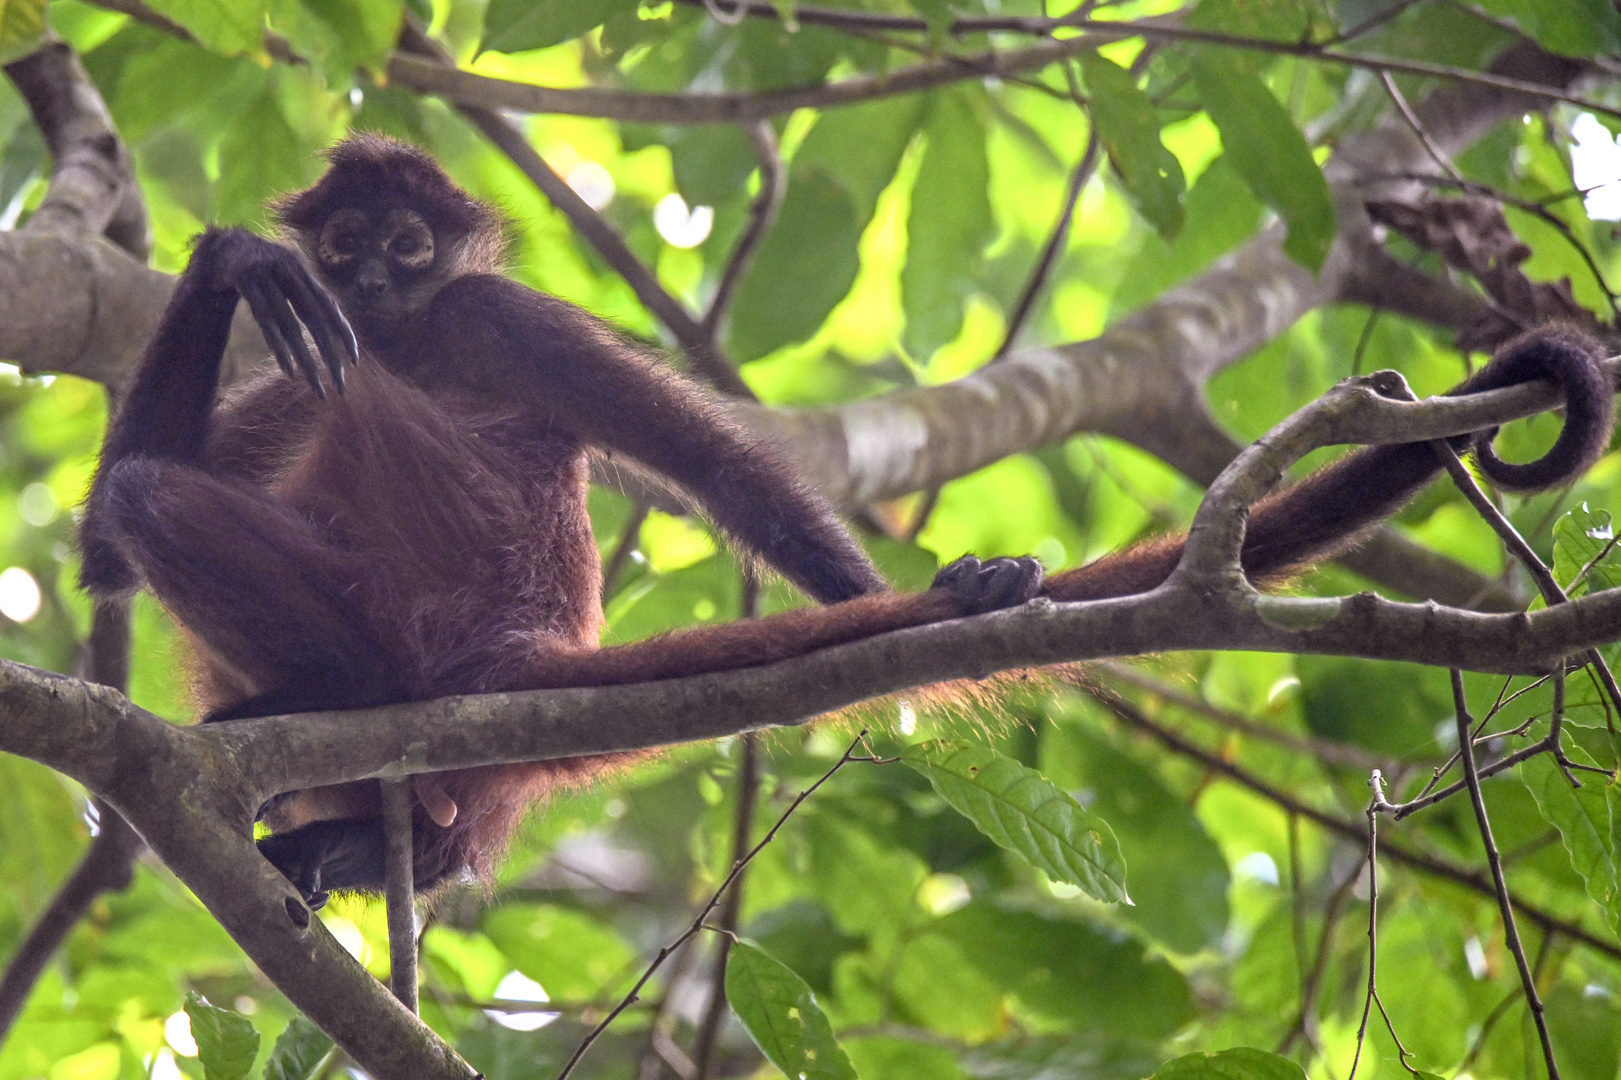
281 329
317 310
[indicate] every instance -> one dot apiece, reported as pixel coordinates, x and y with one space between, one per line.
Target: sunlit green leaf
1271 155
949 225
227 1042
781 1015
1129 128
1024 812
225 26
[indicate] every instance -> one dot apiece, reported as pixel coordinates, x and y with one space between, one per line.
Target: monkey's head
385 229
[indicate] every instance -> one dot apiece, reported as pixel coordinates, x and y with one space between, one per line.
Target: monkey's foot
990 584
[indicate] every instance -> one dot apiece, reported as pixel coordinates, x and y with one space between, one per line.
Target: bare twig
762 213
1375 782
1413 122
1054 246
748 788
1494 861
1417 860
700 921
399 890
623 549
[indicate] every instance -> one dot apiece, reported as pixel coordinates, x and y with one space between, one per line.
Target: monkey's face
382 267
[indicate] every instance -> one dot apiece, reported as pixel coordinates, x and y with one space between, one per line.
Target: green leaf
1585 818
518 25
1579 538
572 955
1129 129
1067 974
1242 1063
1569 27
227 1042
22 28
949 223
298 1052
228 27
1179 878
1026 813
338 36
1269 20
780 1014
1269 152
809 259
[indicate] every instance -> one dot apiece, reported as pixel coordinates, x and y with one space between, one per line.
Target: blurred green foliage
880 916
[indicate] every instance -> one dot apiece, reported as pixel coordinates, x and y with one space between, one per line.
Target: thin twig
623 549
700 922
1552 594
748 788
1494 861
399 890
762 213
1413 122
1375 781
1417 860
1056 239
1305 1025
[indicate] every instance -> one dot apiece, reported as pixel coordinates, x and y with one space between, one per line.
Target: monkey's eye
412 246
340 241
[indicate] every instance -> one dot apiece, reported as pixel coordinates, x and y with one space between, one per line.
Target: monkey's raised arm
561 360
166 407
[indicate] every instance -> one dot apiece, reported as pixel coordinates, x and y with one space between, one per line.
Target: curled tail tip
1576 359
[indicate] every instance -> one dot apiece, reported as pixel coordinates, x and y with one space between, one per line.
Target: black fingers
991 584
285 300
281 330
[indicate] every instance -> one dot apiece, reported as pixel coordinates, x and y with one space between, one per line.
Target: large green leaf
1585 818
949 223
299 1052
781 1015
225 26
1585 538
569 953
227 1042
1241 1063
338 36
1026 813
517 25
1128 126
1065 972
1179 878
1570 27
1269 152
810 257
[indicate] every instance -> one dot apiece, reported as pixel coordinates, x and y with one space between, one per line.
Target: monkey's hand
284 299
992 584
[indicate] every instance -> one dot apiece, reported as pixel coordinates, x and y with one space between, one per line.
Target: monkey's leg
256 584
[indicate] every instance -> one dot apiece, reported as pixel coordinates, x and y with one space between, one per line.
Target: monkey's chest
464 526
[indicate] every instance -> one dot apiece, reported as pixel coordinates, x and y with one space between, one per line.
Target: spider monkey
422 531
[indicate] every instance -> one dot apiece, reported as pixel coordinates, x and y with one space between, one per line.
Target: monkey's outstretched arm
572 367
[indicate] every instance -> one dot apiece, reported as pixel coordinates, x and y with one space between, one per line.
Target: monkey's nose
372 287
